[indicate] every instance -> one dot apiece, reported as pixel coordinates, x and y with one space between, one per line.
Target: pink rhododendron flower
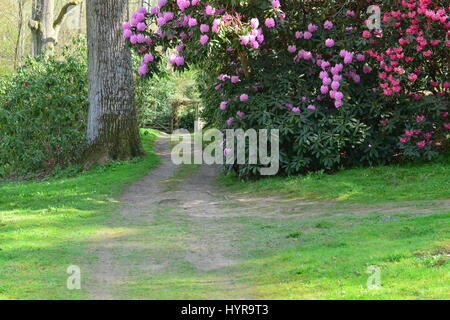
329 43
235 79
366 34
420 119
204 28
421 144
404 140
328 25
204 39
292 48
244 97
254 23
412 77
269 23
307 35
223 105
312 28
149 58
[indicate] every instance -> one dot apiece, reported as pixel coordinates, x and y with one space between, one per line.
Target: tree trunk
80 19
112 123
44 27
18 52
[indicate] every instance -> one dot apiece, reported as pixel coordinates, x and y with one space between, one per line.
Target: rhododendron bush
341 90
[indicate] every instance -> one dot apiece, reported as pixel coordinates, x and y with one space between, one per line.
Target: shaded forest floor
176 233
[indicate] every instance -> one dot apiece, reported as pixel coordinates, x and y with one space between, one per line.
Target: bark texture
45 26
112 123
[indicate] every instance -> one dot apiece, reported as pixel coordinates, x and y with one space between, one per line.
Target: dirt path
178 236
187 203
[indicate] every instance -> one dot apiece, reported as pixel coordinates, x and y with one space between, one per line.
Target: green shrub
154 98
187 118
366 131
43 111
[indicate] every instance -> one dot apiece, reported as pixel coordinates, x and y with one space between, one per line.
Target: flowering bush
339 92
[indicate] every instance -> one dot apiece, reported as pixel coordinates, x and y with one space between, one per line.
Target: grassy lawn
44 225
384 183
326 257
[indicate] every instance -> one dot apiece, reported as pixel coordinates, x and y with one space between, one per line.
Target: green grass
385 183
411 251
327 255
44 225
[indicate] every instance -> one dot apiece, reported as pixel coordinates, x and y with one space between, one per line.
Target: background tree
43 24
112 124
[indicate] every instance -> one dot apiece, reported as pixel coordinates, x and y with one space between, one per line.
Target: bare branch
64 10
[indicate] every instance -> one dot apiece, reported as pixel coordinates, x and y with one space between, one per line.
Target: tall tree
112 124
43 24
18 50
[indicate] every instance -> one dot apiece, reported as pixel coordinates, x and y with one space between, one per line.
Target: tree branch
64 10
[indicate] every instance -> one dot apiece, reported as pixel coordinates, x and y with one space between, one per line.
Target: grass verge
336 257
427 181
44 225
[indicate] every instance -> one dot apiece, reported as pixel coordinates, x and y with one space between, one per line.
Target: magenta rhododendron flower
420 119
328 25
312 27
149 58
143 69
192 22
366 34
204 39
412 76
254 23
329 43
127 33
270 23
403 140
421 144
244 97
292 48
307 35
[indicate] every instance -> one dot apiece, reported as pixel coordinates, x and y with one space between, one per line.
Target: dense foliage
154 101
43 109
341 90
